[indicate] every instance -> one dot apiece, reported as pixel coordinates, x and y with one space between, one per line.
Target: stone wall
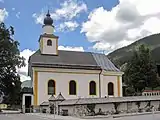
109 108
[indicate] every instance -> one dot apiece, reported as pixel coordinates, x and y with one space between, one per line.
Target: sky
82 25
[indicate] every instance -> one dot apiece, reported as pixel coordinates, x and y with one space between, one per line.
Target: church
72 74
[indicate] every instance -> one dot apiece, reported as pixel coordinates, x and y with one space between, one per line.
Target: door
27 104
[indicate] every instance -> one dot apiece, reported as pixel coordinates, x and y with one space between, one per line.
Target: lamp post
153 113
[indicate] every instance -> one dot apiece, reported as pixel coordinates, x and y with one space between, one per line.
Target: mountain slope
122 55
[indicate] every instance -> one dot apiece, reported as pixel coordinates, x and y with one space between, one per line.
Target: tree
141 71
10 60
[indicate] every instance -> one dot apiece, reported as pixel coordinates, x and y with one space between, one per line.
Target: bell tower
48 42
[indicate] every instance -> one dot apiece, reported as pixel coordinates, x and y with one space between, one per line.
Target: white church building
71 73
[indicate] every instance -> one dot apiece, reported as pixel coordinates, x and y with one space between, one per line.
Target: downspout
100 83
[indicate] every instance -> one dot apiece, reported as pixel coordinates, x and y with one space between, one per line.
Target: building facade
73 74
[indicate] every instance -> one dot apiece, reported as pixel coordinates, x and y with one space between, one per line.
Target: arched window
110 89
72 87
92 88
49 42
51 87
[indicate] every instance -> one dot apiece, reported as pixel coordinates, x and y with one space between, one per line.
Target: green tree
141 71
10 60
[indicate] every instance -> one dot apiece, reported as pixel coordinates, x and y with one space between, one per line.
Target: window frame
110 83
49 42
54 87
74 83
94 89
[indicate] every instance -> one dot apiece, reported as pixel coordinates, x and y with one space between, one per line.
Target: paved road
44 117
22 117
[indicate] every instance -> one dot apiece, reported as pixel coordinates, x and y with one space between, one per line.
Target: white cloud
127 22
68 10
18 15
39 18
2 1
69 48
24 70
68 26
13 9
3 14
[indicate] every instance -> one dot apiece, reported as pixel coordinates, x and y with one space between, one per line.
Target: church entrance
27 104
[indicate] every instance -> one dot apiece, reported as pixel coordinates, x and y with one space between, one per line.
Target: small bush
140 110
91 108
44 111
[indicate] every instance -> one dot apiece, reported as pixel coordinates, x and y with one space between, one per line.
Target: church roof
72 59
27 90
60 97
27 83
52 98
44 104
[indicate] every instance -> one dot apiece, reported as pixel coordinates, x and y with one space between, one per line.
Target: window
110 89
92 88
49 42
72 87
51 87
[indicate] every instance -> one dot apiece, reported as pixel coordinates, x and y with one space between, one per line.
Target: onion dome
48 20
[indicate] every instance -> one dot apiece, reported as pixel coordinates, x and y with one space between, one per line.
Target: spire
48 14
48 20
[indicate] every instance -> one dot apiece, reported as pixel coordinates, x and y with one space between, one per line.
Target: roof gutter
100 83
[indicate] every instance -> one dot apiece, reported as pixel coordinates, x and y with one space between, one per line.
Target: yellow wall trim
35 87
57 46
109 73
42 44
118 85
65 72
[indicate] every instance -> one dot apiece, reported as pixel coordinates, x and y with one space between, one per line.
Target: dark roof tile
72 59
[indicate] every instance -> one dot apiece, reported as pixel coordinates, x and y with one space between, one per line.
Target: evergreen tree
141 71
10 60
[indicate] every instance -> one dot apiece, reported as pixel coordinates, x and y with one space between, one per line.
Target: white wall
109 107
71 109
49 49
62 84
62 78
104 85
48 29
104 107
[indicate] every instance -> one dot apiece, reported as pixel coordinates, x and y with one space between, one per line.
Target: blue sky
82 25
27 31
